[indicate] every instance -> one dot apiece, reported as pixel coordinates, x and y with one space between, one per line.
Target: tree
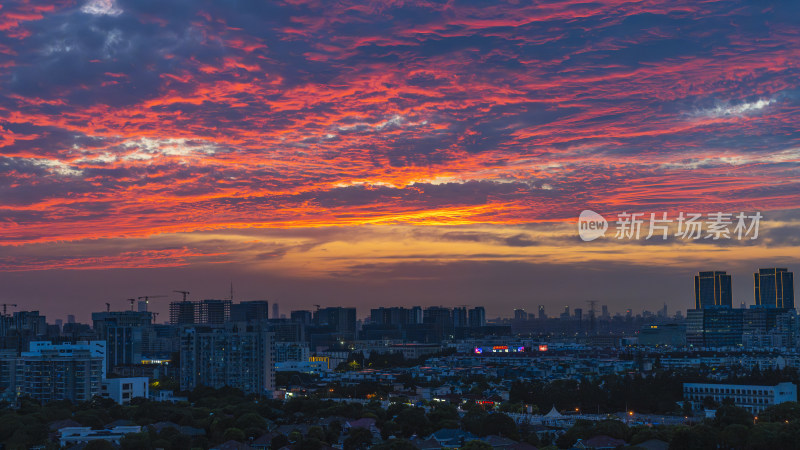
395 444
234 434
278 441
317 433
476 445
782 412
99 444
735 435
728 414
500 424
358 438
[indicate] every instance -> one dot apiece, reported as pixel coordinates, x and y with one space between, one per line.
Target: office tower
460 317
182 313
714 327
416 316
70 318
395 316
774 288
235 354
712 289
341 321
578 313
141 306
285 330
477 317
303 317
50 372
275 311
124 333
542 314
251 310
520 314
605 315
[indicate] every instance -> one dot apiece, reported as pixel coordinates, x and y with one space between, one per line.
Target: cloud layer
122 120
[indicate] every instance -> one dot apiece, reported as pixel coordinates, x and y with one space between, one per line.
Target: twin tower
772 288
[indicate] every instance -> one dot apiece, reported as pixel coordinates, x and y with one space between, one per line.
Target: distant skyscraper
182 313
578 313
71 318
215 311
249 311
774 288
477 317
520 314
605 311
460 317
712 289
542 314
302 316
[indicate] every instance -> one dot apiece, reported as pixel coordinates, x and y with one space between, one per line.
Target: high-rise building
276 311
341 321
203 312
578 313
251 310
477 317
604 314
714 327
214 311
303 317
774 288
712 289
124 333
520 314
50 372
234 354
460 317
182 313
542 314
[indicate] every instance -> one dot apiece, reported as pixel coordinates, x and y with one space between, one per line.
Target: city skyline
399 153
169 305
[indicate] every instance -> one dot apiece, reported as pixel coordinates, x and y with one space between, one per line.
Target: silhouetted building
520 314
249 311
124 333
341 321
182 313
774 288
712 289
303 317
477 317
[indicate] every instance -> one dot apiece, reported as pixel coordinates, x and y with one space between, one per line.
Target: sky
357 153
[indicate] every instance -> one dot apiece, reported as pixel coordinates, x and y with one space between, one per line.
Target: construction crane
147 299
133 301
185 294
6 305
155 316
108 307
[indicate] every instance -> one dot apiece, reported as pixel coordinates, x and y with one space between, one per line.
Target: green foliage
357 439
783 412
234 434
476 445
395 444
99 445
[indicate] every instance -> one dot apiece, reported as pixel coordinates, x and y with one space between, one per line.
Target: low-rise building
751 397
